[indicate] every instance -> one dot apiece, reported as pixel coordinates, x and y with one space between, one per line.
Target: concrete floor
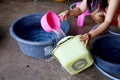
16 66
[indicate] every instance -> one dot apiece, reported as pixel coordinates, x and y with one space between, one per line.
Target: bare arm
74 12
79 10
112 8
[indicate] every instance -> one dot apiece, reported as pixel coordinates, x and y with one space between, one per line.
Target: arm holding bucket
110 15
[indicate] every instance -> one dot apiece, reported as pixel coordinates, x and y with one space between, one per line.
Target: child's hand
85 37
64 15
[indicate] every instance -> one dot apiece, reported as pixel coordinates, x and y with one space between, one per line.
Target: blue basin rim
37 15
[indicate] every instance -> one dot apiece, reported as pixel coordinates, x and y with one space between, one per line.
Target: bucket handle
64 40
105 73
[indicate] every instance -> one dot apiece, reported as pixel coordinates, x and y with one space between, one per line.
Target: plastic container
106 52
72 54
107 47
32 39
50 22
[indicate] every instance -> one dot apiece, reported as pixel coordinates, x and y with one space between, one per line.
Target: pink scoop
50 22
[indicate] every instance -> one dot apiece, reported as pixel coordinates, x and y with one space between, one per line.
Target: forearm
100 29
79 9
112 8
75 12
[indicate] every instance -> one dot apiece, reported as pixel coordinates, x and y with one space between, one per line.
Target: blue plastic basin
32 39
106 51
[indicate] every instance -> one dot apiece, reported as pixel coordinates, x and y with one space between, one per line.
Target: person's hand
85 37
64 15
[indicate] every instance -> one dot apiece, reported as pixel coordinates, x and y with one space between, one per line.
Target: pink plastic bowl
50 22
